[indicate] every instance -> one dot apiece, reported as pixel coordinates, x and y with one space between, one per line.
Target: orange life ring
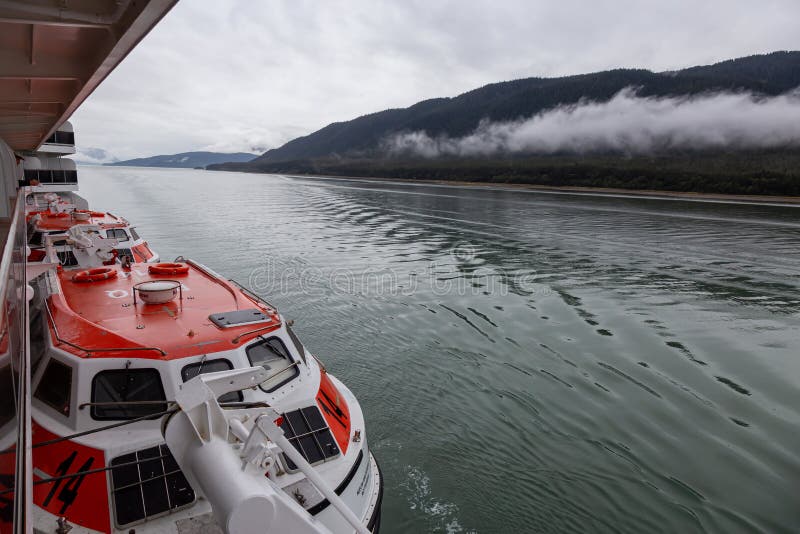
97 214
168 268
96 275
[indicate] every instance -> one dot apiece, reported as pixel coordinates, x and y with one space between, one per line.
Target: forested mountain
188 160
770 74
358 147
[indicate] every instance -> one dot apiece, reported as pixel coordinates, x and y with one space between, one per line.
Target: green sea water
527 361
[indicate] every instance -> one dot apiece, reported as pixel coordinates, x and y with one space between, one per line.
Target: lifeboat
169 399
60 230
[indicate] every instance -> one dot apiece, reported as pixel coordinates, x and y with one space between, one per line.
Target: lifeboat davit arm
233 480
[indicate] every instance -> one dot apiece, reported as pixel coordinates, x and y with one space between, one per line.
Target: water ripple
592 364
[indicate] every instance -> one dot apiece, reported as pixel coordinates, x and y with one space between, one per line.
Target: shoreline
768 200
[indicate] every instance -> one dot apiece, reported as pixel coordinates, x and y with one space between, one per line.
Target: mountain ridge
766 74
354 148
187 160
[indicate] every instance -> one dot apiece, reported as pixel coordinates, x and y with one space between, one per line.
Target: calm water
528 362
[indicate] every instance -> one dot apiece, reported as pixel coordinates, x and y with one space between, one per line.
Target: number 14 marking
69 492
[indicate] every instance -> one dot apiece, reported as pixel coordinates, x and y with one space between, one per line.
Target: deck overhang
54 53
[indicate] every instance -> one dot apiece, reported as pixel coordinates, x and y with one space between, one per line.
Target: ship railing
15 407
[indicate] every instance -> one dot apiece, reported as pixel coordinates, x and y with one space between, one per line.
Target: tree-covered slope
769 74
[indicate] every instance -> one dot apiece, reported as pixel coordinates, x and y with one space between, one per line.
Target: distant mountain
187 160
364 137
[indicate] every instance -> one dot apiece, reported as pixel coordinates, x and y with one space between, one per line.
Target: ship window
61 138
117 233
146 483
203 367
297 344
134 235
55 387
127 385
307 431
272 355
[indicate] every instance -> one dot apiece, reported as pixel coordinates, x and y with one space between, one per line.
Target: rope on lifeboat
156 415
115 425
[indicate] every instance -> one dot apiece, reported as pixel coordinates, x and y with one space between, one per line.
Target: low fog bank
627 124
93 156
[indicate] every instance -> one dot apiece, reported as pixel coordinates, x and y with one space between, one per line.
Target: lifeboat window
127 386
307 431
297 344
36 239
203 367
125 252
146 483
117 233
134 235
67 258
273 356
59 243
8 397
55 387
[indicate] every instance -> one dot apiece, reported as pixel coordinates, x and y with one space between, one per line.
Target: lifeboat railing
225 282
254 331
213 275
250 294
93 350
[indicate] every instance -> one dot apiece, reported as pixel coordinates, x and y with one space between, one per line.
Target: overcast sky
247 75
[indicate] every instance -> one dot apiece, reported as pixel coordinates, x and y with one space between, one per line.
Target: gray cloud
238 74
627 123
